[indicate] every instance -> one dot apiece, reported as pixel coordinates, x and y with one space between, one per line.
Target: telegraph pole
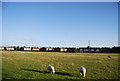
89 45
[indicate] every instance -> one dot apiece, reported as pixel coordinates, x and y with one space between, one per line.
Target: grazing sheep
82 71
109 56
51 69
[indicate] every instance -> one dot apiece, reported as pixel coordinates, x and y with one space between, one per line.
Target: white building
63 49
10 48
1 48
27 48
49 49
35 49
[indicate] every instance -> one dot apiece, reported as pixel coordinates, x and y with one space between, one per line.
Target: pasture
32 65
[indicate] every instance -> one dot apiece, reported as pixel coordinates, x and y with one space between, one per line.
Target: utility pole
89 45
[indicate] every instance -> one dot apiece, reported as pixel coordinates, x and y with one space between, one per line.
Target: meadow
33 65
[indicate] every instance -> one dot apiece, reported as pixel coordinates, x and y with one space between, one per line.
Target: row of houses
64 49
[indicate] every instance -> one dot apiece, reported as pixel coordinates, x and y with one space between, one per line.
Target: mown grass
32 65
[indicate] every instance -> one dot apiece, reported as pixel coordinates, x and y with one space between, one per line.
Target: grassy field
32 65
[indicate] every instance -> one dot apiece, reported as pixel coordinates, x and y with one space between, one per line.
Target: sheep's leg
53 72
83 74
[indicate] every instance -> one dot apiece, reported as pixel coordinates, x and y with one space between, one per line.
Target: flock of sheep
82 70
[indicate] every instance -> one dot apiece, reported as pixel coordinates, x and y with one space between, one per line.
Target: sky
60 0
0 24
64 24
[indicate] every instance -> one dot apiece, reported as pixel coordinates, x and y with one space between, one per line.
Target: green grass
32 65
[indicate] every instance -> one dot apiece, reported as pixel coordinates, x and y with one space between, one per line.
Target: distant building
49 49
94 49
10 48
71 49
25 48
43 49
57 49
115 49
35 48
87 49
105 50
63 49
2 48
81 49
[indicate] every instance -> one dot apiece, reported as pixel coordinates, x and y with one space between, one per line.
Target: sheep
109 56
82 71
51 69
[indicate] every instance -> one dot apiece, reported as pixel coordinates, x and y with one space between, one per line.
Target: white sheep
82 71
51 69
